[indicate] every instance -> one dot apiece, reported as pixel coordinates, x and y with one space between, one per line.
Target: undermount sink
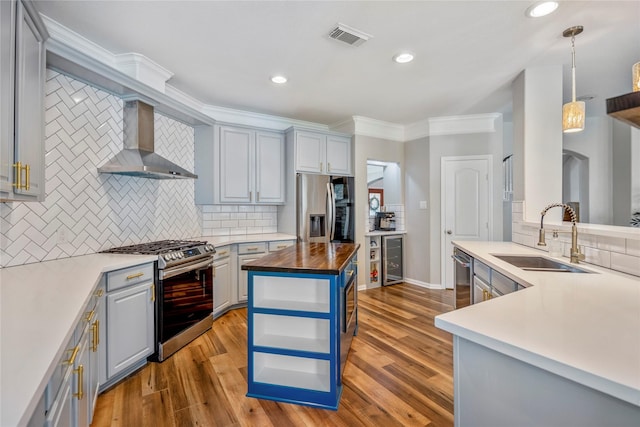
538 263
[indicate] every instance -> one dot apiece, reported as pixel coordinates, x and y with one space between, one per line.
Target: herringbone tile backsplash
85 212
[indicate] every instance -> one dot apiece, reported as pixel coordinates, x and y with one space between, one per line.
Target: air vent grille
349 35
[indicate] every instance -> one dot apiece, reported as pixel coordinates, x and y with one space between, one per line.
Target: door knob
448 232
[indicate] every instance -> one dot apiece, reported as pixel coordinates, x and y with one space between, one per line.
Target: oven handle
171 272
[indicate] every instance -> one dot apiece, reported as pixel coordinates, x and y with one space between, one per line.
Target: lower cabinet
130 313
70 396
127 324
489 283
223 267
230 282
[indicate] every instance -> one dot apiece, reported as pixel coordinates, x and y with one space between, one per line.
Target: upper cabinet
239 165
22 77
323 153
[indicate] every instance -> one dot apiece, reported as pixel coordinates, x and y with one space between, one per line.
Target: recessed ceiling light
403 58
279 79
541 8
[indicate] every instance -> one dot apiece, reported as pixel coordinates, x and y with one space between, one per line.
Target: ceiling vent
349 35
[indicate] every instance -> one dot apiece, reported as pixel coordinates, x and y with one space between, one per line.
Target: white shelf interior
289 332
291 371
291 293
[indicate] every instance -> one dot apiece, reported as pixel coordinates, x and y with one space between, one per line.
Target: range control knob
210 248
167 257
180 255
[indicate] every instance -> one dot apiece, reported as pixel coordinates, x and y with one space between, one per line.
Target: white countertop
246 238
39 305
584 327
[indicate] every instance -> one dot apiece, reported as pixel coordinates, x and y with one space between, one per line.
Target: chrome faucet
576 256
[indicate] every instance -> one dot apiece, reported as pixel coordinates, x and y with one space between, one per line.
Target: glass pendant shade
573 115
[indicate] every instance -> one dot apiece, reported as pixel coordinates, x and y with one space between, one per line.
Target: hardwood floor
399 373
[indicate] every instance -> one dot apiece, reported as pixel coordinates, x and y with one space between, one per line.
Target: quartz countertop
245 238
307 258
583 327
39 305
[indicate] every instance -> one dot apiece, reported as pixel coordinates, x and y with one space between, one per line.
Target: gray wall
417 250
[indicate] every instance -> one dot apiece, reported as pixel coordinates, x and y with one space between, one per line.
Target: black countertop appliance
385 221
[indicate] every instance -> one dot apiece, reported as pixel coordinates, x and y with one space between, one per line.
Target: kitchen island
302 315
563 351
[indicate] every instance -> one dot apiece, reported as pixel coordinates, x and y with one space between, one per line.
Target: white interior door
466 205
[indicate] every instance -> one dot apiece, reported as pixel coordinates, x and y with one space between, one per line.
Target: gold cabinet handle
281 246
320 166
80 372
257 196
214 271
74 353
135 276
99 293
250 194
328 167
252 249
96 335
350 273
223 253
89 316
153 292
17 167
28 177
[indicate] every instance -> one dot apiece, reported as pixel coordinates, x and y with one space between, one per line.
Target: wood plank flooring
399 373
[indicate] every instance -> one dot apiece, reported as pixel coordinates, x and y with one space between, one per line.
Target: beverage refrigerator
393 264
325 208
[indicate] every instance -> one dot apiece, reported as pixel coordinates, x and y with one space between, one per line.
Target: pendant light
573 113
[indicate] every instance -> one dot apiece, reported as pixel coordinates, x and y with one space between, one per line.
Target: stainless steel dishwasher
462 275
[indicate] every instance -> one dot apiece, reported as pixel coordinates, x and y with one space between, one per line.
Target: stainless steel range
184 274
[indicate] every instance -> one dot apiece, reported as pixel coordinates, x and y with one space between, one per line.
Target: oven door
185 304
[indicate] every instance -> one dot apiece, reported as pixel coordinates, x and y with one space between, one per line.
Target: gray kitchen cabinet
22 77
70 395
489 283
222 283
239 165
247 252
323 153
62 413
130 327
278 245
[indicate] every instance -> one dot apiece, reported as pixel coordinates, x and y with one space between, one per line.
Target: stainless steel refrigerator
325 208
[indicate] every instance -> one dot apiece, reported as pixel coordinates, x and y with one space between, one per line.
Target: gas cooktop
156 248
170 252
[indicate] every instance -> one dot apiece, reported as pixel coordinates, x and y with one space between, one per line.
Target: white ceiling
467 52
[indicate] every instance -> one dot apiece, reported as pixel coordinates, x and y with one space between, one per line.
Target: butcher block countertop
309 258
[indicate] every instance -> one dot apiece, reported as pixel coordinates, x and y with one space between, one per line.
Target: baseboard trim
423 284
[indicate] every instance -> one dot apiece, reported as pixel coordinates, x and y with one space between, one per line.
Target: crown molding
249 118
455 125
144 69
416 130
378 129
70 38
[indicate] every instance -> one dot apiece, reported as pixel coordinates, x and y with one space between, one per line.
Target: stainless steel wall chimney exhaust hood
138 158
